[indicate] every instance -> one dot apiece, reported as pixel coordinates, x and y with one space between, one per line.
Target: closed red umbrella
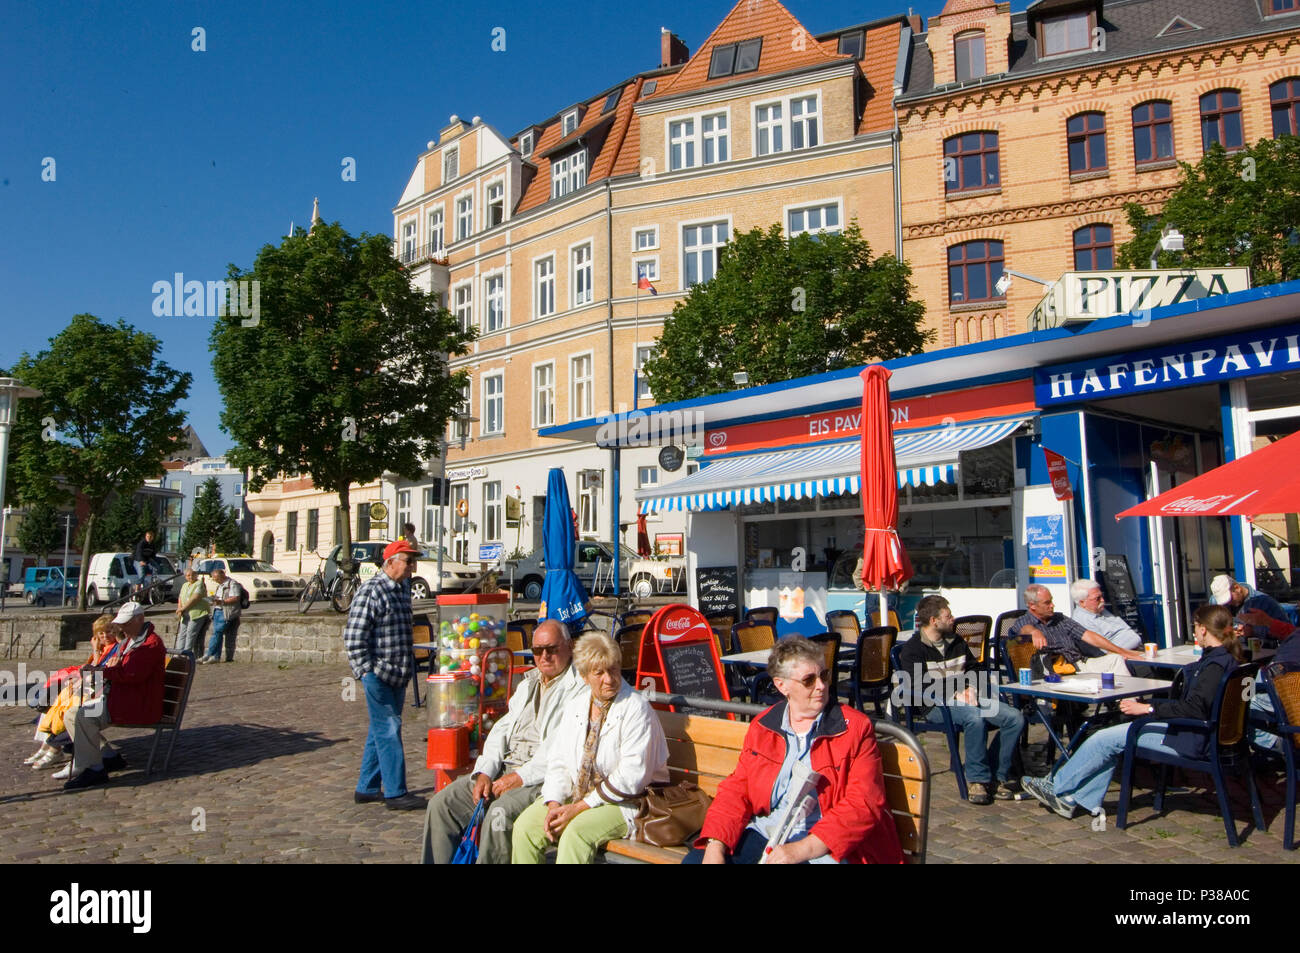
884 561
1265 481
642 536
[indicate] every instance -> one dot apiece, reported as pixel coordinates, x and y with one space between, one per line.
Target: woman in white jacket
607 746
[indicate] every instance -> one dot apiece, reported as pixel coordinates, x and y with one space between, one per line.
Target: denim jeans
1086 777
382 759
974 725
223 627
1261 702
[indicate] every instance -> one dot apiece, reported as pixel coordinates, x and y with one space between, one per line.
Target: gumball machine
453 707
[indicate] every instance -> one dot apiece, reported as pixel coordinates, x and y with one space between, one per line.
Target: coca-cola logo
718 438
677 625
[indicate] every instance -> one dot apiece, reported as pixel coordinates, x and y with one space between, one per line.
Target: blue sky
170 160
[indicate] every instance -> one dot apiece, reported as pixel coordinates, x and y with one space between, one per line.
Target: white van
112 576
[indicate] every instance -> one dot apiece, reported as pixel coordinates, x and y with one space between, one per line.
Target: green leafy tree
41 531
114 414
779 309
343 374
211 524
119 527
1240 208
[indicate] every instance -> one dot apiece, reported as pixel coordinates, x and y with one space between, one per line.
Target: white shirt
544 716
1109 625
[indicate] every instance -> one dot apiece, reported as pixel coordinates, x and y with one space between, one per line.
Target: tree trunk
85 561
345 504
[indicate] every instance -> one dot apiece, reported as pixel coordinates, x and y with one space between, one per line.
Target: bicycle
340 590
315 588
150 589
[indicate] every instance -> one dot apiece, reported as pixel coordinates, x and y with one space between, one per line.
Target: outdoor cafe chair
421 659
721 622
870 676
997 637
635 617
830 643
1018 652
845 623
628 638
975 630
1283 689
765 615
916 726
1225 734
750 637
525 629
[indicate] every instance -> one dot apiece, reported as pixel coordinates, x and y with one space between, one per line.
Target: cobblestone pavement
268 758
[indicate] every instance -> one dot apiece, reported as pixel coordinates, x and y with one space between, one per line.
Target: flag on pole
644 283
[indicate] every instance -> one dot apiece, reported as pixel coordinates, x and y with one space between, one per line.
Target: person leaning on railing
1084 779
848 819
608 748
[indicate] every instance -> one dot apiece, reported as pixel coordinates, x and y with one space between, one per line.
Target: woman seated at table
103 646
606 750
839 812
1084 779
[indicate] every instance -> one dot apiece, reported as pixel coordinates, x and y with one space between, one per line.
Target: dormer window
526 144
611 101
450 163
569 122
1065 33
568 174
852 44
1276 7
968 49
735 58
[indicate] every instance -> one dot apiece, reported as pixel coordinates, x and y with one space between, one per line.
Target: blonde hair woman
608 745
103 645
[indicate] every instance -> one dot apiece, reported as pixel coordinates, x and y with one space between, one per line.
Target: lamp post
1171 239
11 391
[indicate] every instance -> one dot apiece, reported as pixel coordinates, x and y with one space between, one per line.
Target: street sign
670 458
490 552
378 512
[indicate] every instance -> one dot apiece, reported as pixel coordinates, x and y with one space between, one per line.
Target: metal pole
439 487
67 531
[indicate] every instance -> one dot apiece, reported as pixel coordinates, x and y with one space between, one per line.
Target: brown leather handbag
670 814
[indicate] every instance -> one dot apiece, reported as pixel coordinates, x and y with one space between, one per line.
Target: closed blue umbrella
563 596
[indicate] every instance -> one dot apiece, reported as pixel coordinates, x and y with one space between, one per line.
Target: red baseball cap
400 546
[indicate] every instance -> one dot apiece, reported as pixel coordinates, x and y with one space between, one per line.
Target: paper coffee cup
1150 649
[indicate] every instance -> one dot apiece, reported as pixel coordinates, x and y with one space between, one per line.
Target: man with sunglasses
510 771
943 673
378 639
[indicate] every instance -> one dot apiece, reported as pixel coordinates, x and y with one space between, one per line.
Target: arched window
970 161
1221 119
973 270
1094 248
968 52
1284 99
1086 139
1153 131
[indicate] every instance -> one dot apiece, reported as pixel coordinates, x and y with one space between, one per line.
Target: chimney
914 21
672 51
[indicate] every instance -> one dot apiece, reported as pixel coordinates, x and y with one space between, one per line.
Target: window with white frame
496 203
569 122
644 238
492 516
410 240
681 144
568 174
587 510
647 268
713 138
464 217
459 491
526 144
644 352
647 476
700 246
455 427
580 277
494 296
544 394
430 513
450 164
403 508
813 218
581 387
544 286
436 241
462 297
787 125
494 403
698 140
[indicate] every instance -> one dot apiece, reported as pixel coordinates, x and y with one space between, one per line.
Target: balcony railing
431 252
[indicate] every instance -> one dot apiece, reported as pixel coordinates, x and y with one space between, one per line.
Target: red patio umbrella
884 561
642 536
1265 481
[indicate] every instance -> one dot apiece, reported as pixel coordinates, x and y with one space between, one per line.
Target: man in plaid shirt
378 641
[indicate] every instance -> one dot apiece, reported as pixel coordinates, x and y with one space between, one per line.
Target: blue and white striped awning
924 458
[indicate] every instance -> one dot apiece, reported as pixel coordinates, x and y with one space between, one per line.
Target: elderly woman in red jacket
809 781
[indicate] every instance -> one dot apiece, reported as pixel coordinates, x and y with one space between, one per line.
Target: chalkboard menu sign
689 670
1117 587
716 586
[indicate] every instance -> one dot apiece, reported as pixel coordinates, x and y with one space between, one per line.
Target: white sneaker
206 659
39 753
63 773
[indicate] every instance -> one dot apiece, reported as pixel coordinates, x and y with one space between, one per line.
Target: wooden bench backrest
176 684
706 750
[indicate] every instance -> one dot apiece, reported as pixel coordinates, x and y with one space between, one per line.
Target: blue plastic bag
467 852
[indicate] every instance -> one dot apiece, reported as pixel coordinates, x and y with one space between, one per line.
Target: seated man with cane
512 766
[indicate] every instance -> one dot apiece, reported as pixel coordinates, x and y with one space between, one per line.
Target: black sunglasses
808 681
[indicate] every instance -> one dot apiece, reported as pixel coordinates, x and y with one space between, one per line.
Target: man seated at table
1259 615
512 767
1090 612
932 659
1088 651
1288 655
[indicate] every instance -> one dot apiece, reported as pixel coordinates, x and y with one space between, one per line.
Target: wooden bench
706 750
177 679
